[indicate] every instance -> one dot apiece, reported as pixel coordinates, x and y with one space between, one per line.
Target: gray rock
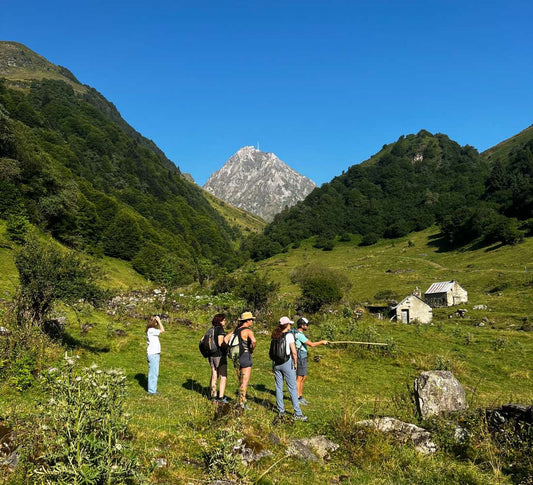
299 449
321 446
438 392
403 433
316 448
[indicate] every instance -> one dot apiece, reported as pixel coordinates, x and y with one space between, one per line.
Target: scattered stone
87 327
479 307
316 448
321 446
438 392
317 358
247 454
9 456
274 439
4 332
120 333
161 462
403 433
299 450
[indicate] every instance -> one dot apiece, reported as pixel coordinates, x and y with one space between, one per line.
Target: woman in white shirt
286 371
153 328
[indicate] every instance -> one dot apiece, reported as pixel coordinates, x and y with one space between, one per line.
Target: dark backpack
278 350
207 345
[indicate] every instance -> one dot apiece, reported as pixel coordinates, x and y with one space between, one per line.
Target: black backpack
278 350
207 345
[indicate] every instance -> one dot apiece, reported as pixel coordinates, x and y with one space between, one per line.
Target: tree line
72 166
414 183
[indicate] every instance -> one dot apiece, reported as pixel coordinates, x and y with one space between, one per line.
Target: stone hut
412 309
445 293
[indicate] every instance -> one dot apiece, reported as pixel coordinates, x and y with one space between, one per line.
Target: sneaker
300 417
303 401
246 407
223 400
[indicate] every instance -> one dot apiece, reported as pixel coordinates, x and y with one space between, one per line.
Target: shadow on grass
194 385
73 343
142 379
263 388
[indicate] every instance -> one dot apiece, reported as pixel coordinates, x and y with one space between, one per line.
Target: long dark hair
218 319
152 323
278 332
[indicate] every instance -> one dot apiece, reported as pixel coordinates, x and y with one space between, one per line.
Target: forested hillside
409 185
70 164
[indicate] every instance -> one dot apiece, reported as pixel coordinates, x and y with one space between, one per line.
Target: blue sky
322 84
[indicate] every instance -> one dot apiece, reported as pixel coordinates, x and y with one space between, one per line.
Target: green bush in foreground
84 430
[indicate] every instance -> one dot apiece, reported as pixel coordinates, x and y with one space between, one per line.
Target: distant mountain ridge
258 182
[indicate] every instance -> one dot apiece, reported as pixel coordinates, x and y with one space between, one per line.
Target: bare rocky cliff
259 183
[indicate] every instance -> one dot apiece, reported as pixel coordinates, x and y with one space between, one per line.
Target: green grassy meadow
346 383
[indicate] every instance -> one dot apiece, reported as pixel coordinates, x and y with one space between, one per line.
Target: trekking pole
359 343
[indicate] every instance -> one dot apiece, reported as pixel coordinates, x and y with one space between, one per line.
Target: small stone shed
445 293
411 309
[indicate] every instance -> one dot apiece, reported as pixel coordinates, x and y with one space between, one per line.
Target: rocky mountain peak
258 182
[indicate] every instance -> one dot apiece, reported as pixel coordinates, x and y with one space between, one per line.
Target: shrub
84 430
369 239
319 286
255 289
49 274
17 227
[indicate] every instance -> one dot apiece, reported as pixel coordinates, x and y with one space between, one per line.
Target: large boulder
438 392
402 433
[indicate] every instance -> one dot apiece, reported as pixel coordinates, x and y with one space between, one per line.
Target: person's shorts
220 364
245 360
302 367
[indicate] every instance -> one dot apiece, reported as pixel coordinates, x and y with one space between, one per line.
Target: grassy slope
347 384
501 150
420 264
234 216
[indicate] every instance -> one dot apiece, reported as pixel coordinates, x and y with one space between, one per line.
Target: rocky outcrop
316 448
402 433
438 392
259 183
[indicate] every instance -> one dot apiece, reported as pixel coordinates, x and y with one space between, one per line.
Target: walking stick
359 343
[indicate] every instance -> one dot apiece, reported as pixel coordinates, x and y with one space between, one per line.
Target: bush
48 274
17 227
84 430
255 289
369 239
319 286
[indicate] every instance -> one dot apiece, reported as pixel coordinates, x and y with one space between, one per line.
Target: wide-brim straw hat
246 316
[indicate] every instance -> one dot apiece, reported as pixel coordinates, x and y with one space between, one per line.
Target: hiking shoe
303 401
223 400
246 407
300 417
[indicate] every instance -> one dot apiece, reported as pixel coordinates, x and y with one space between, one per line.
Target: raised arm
158 320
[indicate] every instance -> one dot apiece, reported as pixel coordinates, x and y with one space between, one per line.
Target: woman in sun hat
247 344
286 371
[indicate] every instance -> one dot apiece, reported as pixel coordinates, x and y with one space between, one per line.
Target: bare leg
245 378
222 386
213 383
300 385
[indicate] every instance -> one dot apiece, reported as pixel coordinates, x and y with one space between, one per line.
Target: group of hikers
288 352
